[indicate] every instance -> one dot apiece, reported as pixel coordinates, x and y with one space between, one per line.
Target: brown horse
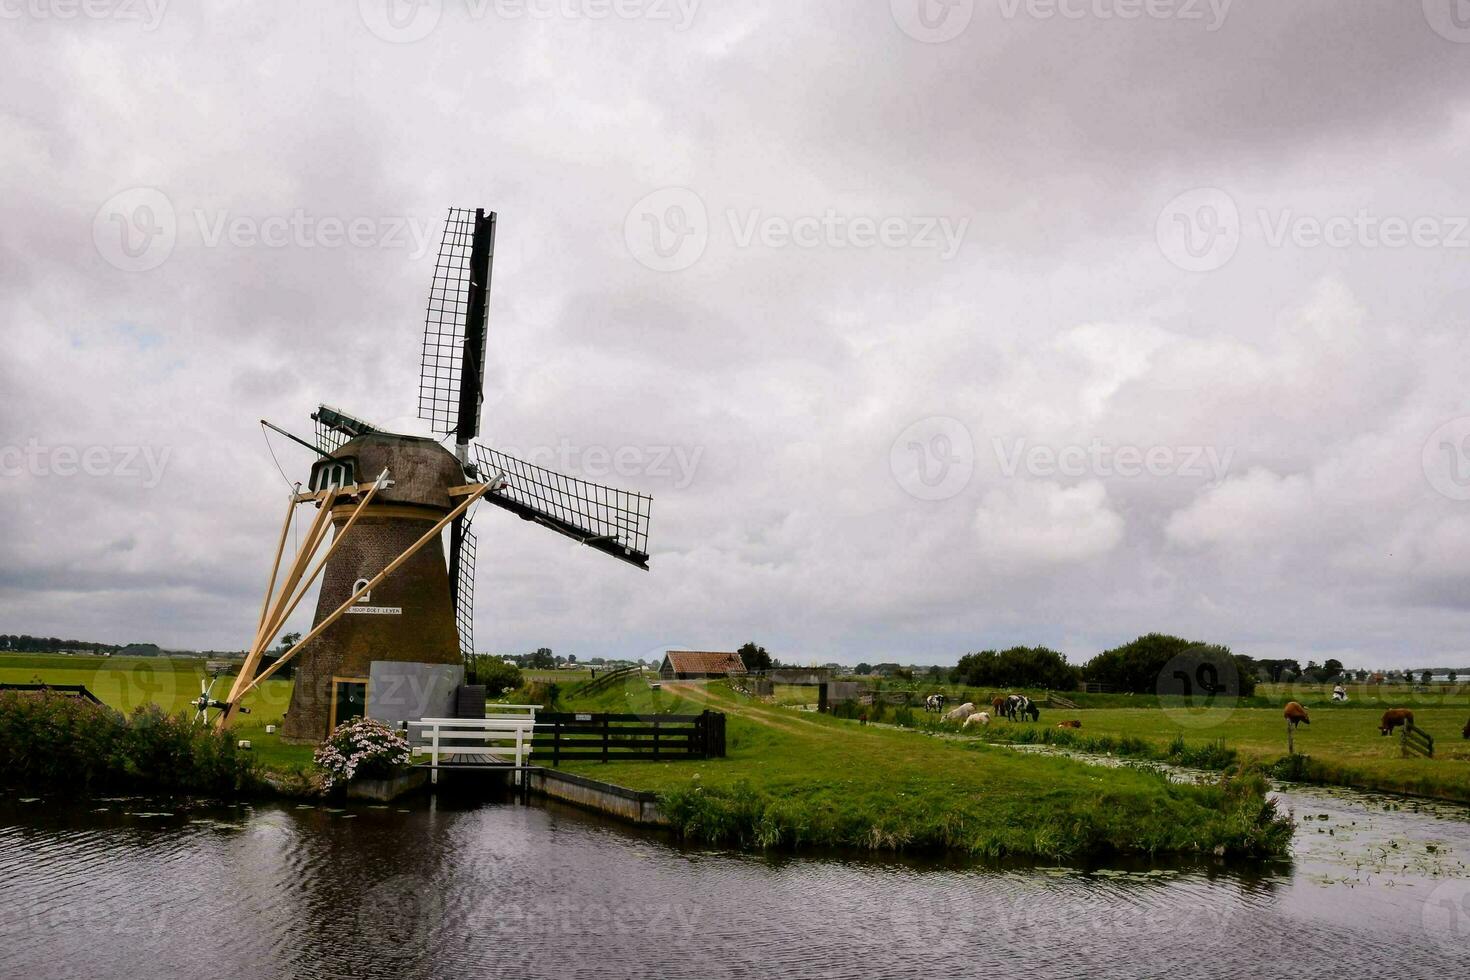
1466 732
1295 715
1393 718
998 703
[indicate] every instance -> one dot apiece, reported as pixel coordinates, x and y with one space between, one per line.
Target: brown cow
1393 718
1295 715
1069 724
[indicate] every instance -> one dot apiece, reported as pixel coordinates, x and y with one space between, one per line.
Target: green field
126 683
796 778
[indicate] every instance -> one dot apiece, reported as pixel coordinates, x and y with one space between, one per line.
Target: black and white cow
1021 705
934 702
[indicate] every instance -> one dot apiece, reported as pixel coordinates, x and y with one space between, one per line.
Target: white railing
503 739
511 711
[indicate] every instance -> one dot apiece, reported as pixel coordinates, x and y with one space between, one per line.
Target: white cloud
1033 525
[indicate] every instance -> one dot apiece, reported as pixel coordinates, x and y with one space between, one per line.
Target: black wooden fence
1416 741
567 735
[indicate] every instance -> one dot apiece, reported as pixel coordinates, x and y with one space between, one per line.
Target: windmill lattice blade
334 427
464 611
444 325
611 520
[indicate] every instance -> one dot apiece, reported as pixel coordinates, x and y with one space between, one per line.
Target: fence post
655 739
606 731
556 744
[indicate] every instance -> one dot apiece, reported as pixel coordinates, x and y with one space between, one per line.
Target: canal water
1378 886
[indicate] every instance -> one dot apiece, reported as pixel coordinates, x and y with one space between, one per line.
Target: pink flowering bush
361 749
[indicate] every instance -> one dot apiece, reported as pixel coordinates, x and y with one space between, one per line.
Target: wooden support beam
263 632
341 610
309 580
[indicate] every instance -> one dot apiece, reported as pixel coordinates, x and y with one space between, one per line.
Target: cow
1393 718
1020 704
960 712
934 702
1069 724
980 718
1295 715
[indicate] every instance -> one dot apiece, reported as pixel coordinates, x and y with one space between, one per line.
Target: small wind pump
387 592
206 700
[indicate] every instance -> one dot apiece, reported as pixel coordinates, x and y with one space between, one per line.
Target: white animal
978 718
960 712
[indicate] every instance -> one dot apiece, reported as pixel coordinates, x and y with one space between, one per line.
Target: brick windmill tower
390 589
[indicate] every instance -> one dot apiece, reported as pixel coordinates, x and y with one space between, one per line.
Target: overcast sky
930 326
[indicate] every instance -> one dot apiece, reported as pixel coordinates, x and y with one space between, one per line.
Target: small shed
693 665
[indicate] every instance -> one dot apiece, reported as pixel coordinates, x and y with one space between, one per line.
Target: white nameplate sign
375 610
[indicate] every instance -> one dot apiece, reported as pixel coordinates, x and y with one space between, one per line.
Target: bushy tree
1035 667
1137 665
497 675
755 657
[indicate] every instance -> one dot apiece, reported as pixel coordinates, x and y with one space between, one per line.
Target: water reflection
132 888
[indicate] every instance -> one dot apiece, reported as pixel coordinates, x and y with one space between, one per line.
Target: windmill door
349 699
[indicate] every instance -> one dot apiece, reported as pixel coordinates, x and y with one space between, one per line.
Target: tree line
25 643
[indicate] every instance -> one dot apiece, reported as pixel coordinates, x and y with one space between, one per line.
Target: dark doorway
349 699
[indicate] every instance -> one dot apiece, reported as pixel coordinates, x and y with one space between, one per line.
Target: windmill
389 590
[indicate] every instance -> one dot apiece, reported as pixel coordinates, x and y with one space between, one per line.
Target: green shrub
497 675
64 744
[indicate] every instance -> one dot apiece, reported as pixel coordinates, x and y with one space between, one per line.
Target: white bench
502 738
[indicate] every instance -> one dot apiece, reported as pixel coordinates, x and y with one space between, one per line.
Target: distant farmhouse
683 665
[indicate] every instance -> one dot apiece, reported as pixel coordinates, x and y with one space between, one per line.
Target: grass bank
1341 746
54 743
795 780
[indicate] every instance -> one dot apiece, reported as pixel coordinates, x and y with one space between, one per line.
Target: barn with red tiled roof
692 665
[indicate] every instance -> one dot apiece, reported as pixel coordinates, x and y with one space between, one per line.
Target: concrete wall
399 692
592 794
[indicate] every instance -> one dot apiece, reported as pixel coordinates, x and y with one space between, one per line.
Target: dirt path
770 715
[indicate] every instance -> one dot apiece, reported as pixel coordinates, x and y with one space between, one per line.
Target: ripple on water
536 892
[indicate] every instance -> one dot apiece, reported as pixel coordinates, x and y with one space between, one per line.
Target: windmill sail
334 427
452 368
613 521
462 581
